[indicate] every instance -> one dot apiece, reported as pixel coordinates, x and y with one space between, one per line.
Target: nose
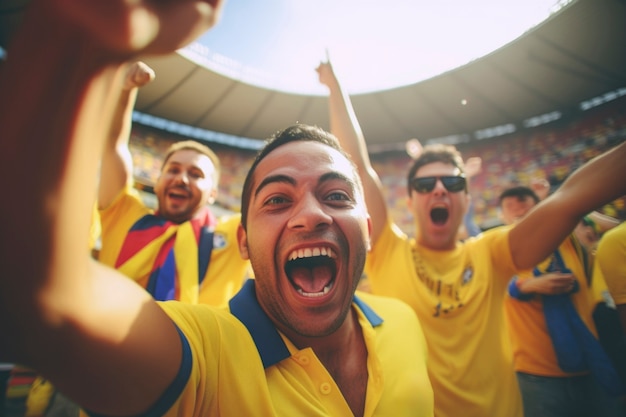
439 187
309 214
181 177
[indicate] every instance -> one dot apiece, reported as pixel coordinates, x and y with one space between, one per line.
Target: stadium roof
575 55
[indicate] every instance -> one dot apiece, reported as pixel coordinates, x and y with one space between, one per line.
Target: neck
344 355
437 243
329 345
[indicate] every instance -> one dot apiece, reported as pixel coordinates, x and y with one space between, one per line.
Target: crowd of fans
551 152
179 311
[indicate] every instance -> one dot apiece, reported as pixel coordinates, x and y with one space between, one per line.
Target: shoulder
495 238
615 236
495 232
388 308
396 321
229 221
127 198
390 238
612 245
491 251
200 321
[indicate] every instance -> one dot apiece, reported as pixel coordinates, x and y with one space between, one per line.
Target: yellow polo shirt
239 365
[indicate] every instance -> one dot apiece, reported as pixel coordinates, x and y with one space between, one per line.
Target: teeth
315 294
310 252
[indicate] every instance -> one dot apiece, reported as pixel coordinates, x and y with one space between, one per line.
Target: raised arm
345 126
60 87
596 183
116 170
472 167
603 223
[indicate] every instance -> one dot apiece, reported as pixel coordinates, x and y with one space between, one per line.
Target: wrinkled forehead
306 159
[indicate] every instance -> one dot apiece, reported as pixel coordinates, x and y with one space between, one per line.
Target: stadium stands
550 151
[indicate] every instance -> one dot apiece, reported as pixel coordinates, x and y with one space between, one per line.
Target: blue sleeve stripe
172 393
515 292
177 386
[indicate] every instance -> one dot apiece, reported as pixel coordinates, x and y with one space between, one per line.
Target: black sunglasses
424 185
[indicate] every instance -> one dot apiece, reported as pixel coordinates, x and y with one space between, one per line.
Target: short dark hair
437 152
520 192
298 132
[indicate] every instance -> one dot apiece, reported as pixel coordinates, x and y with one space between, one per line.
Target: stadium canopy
575 55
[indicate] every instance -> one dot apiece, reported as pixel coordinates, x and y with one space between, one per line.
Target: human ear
242 239
212 196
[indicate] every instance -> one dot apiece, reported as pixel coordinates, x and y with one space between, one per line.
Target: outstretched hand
541 187
473 166
414 148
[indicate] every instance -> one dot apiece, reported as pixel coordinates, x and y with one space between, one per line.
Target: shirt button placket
325 388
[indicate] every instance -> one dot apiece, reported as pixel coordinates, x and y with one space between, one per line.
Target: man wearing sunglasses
452 183
457 288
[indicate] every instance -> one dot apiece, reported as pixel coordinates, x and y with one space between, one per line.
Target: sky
373 45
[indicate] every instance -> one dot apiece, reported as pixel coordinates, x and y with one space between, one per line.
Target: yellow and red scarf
162 252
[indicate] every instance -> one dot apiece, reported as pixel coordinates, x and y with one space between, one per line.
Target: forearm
116 168
76 321
119 134
596 183
51 293
39 109
345 125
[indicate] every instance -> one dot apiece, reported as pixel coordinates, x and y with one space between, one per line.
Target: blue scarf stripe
205 247
163 280
148 221
576 348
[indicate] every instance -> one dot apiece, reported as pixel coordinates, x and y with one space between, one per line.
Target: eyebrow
178 163
290 180
274 179
337 176
172 162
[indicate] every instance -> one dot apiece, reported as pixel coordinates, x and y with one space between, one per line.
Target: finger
143 74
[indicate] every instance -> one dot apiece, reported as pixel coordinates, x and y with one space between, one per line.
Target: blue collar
270 345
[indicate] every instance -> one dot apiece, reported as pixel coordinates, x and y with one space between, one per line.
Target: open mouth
177 195
312 271
439 215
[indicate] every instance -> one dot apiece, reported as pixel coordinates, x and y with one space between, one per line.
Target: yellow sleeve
610 262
